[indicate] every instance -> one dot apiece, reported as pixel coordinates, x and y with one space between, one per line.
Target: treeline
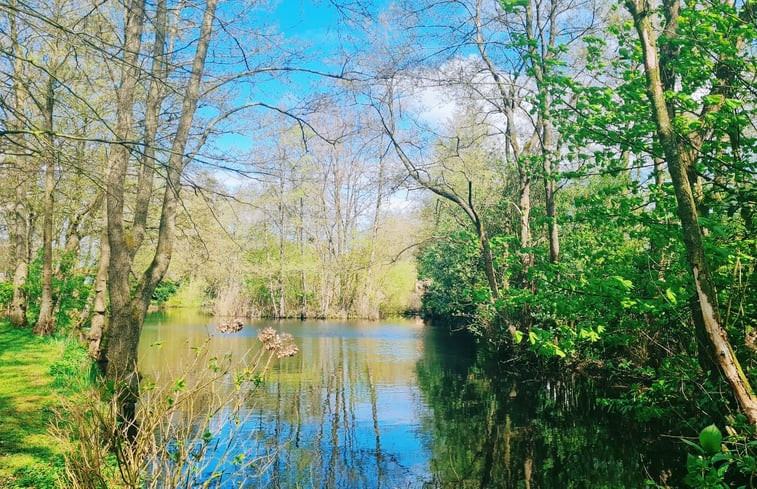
595 187
319 233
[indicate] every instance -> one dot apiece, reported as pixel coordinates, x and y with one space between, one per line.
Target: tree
128 308
682 139
461 194
19 231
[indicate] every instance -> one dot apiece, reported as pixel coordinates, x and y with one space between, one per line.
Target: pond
402 404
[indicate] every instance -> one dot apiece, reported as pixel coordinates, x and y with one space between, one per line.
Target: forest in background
588 173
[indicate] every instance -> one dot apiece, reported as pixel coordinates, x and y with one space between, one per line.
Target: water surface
401 404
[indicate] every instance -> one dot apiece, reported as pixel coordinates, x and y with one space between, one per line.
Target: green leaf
511 6
180 385
712 99
710 439
626 284
517 337
671 296
732 104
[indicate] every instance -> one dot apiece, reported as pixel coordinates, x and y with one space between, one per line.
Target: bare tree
19 222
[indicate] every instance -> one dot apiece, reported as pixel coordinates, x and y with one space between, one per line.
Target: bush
165 289
6 294
723 462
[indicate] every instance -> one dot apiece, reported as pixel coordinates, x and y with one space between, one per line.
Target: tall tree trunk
368 289
506 85
679 159
303 276
550 188
486 254
269 267
548 145
20 240
98 323
119 363
128 310
524 209
46 322
282 298
154 101
20 226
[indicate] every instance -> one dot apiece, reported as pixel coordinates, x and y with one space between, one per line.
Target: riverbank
34 373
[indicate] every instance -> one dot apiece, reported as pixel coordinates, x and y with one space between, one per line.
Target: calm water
400 404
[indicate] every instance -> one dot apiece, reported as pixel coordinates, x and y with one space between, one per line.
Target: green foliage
717 462
6 293
33 288
511 6
395 286
71 289
165 290
710 439
456 286
34 372
72 371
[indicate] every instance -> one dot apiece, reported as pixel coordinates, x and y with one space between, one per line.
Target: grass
34 372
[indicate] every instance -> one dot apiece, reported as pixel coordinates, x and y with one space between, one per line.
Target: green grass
34 372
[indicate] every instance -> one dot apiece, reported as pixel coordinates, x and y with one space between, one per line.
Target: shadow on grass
28 452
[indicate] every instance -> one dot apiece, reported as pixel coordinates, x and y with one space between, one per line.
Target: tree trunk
548 145
19 232
97 330
46 322
524 209
369 287
119 364
154 101
128 310
282 297
303 276
19 238
679 159
269 268
550 188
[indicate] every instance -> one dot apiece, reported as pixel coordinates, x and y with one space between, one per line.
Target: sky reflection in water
401 404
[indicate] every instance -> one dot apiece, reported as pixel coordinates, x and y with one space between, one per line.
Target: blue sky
300 18
313 29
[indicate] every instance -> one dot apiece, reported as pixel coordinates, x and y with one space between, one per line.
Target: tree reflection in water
512 431
398 404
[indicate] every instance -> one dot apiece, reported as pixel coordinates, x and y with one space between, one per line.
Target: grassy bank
34 372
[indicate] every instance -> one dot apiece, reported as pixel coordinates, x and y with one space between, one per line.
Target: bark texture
680 157
128 308
46 321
